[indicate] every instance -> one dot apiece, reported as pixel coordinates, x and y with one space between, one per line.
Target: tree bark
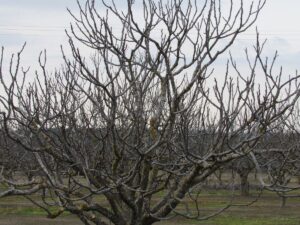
245 187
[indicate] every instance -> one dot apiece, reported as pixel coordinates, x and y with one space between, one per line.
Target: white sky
41 24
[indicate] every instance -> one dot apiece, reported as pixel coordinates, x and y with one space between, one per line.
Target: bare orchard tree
281 159
128 135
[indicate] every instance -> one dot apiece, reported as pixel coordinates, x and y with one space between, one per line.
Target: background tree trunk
244 185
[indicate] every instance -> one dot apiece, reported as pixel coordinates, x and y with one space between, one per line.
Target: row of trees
144 115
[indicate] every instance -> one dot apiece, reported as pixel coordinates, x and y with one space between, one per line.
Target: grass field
266 211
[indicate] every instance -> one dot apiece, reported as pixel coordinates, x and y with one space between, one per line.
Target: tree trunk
283 201
245 188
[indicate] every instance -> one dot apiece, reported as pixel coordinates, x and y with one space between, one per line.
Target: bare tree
130 134
280 158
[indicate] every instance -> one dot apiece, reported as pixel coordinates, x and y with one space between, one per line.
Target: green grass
22 211
236 220
19 206
266 211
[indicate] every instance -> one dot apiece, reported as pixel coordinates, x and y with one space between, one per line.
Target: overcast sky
41 24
